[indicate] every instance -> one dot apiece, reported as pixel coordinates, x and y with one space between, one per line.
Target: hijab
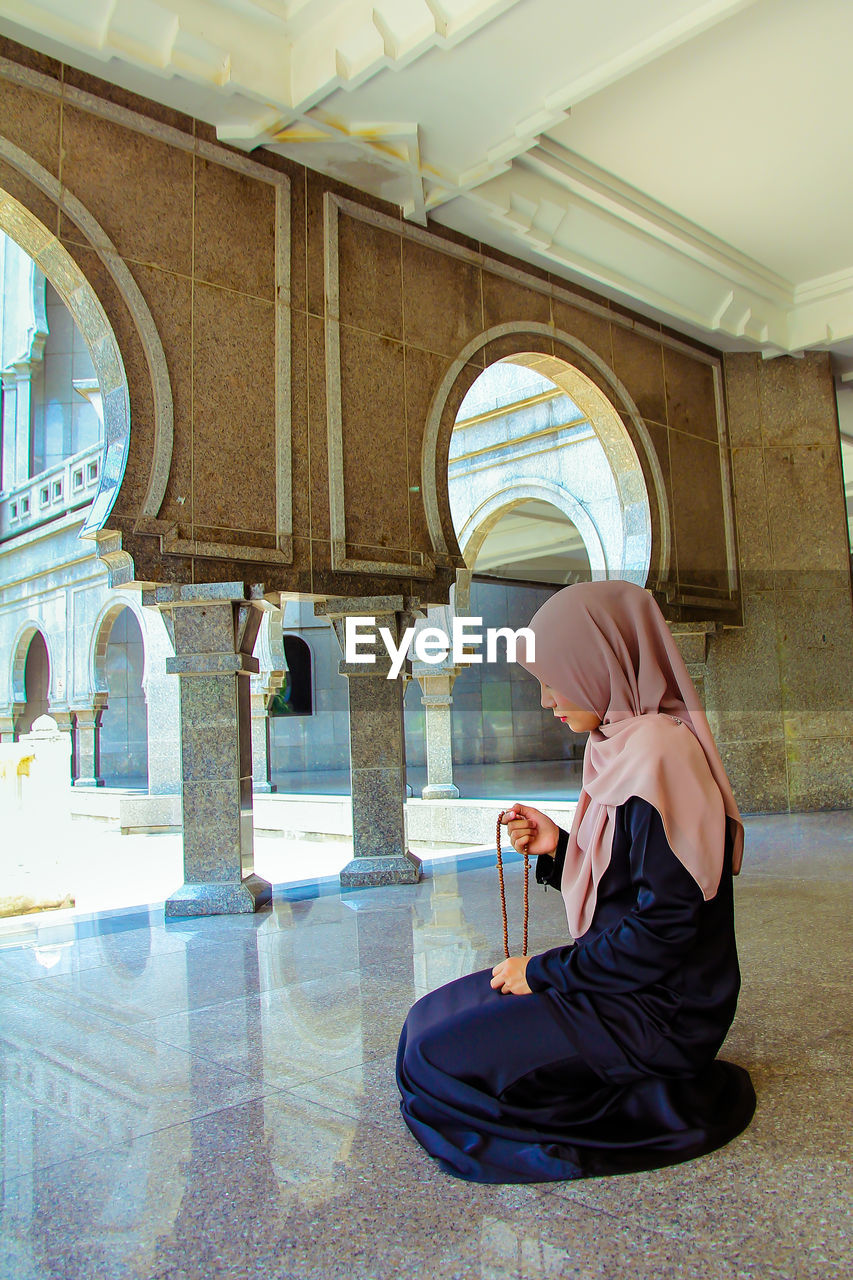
606 647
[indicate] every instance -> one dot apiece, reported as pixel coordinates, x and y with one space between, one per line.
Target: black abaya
609 1065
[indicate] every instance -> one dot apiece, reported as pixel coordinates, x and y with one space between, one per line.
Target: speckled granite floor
216 1098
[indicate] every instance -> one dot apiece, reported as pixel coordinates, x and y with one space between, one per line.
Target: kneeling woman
600 1057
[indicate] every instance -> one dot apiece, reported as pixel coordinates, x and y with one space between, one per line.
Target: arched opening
36 684
295 697
545 489
124 721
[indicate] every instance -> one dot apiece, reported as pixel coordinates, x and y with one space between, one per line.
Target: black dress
609 1066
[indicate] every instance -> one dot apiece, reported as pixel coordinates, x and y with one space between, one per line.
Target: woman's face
578 720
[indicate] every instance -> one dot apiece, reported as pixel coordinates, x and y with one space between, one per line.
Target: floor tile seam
373 1125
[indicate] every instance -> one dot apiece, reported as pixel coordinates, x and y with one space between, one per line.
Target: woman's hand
509 976
530 830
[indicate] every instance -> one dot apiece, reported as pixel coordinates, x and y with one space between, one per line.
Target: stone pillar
260 743
692 640
9 718
436 696
164 715
213 627
87 743
269 650
377 749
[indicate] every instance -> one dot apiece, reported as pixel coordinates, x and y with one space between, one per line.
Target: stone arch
101 637
550 352
481 521
20 647
60 268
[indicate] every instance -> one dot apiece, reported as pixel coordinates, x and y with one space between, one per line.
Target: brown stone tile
300 450
591 329
441 300
327 582
31 121
115 173
743 691
138 467
530 268
757 773
30 196
638 363
513 344
318 476
741 371
27 57
452 236
698 511
114 93
660 442
797 399
233 410
424 372
374 440
298 264
506 301
750 497
370 277
819 773
234 230
691 404
169 299
805 503
815 642
315 241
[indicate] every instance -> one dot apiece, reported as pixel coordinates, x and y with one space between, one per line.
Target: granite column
87 743
437 698
213 629
377 748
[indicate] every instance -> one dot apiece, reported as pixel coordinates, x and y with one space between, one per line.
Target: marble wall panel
660 442
808 527
140 392
318 450
13 182
750 499
423 374
315 280
31 121
442 300
299 428
758 774
690 400
506 301
743 405
370 277
589 328
819 775
638 362
169 299
815 644
234 410
298 240
797 398
374 440
234 228
742 680
117 173
698 517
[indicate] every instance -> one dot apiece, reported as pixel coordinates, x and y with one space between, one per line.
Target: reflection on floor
216 1097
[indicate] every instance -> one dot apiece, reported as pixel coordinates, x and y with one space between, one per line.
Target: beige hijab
606 647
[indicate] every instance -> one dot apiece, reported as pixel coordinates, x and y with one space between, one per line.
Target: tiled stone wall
265 303
780 690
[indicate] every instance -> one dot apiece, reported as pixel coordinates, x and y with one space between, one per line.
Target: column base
440 791
402 868
88 782
264 788
215 899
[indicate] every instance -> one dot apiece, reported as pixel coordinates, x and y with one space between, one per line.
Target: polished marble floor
215 1098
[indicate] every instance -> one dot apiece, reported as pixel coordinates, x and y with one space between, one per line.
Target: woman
600 1057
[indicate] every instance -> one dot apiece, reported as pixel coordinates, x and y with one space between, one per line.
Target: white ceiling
688 156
